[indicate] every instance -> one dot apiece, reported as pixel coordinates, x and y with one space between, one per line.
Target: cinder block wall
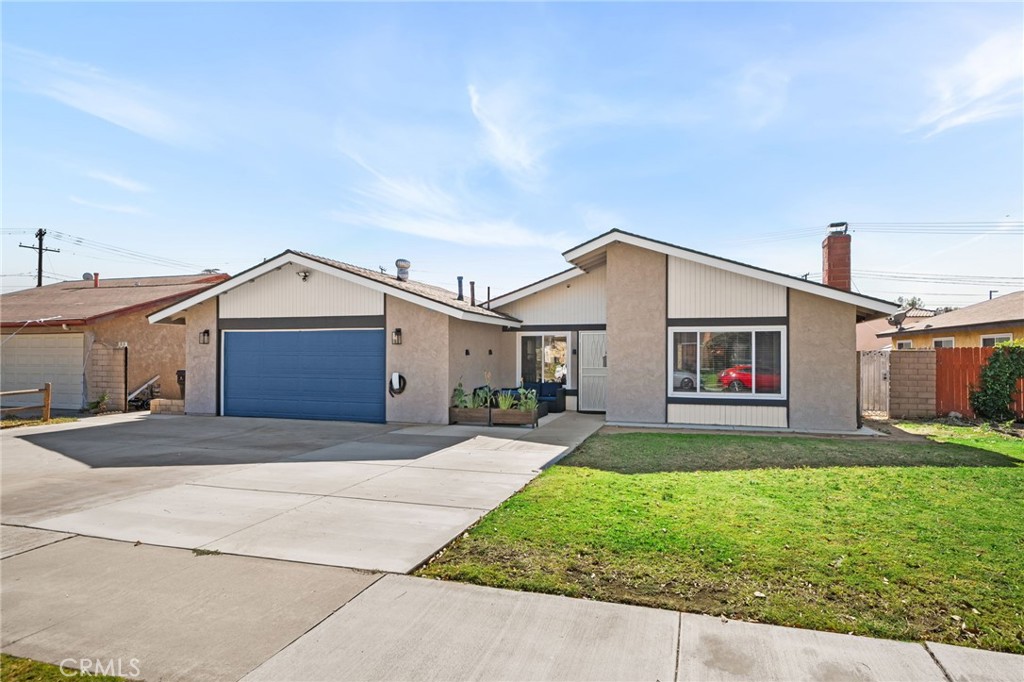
912 384
105 374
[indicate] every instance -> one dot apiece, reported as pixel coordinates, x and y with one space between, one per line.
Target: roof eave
870 305
167 315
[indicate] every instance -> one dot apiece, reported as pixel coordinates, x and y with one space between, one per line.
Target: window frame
996 339
725 396
570 346
942 339
909 344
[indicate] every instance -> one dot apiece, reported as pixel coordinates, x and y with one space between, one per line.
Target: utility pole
40 233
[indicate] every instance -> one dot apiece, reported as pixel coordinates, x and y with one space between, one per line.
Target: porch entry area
593 355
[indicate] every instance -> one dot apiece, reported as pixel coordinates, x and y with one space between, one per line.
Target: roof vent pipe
95 279
460 287
472 293
403 269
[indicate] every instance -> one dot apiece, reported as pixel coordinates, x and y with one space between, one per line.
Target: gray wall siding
728 415
822 363
581 300
282 293
702 291
422 359
201 379
477 368
637 336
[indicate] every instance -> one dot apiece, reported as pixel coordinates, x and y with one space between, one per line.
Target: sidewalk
411 628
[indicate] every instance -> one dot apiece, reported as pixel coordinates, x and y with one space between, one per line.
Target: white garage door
30 360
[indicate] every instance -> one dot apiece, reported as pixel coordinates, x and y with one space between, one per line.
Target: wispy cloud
421 208
762 93
986 84
112 208
512 137
119 181
89 89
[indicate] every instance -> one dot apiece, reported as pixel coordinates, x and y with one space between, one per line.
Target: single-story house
91 337
868 332
983 324
640 330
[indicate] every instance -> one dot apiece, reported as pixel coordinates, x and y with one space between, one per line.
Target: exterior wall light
396 337
204 337
303 275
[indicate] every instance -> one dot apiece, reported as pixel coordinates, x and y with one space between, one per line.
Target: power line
124 252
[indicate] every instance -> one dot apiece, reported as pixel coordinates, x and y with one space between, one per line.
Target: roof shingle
80 302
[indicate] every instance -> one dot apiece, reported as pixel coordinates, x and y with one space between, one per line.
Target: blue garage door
305 374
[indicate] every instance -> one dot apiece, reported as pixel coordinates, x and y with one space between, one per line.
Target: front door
593 371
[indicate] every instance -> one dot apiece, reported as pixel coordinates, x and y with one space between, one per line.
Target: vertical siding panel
581 302
697 290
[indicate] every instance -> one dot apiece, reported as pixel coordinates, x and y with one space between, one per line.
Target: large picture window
544 357
727 362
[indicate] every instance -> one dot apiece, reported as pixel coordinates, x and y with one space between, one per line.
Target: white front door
593 371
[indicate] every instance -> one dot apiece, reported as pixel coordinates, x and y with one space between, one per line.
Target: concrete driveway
375 497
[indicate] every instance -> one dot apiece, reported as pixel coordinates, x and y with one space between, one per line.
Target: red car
738 379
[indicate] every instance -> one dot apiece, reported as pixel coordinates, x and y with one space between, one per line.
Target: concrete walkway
222 618
375 498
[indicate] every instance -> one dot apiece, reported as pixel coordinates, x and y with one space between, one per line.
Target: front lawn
901 539
12 422
13 669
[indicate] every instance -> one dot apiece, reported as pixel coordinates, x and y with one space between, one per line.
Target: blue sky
484 139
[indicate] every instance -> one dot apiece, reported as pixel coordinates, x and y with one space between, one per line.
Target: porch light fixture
204 337
396 337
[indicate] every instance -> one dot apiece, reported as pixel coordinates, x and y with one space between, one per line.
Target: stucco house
982 324
92 337
640 330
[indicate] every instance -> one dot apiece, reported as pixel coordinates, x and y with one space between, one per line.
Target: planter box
469 415
514 417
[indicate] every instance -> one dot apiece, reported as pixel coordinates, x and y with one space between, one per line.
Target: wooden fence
46 390
957 373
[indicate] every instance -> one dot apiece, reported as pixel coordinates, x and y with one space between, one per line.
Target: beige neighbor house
982 325
640 330
92 337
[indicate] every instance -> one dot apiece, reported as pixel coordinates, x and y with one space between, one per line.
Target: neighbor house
982 324
640 330
868 332
91 337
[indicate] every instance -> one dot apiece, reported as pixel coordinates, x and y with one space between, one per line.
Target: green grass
14 669
886 538
12 422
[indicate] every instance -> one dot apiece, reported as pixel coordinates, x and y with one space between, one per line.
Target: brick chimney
835 257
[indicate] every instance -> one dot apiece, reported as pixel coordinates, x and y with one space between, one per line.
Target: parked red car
738 379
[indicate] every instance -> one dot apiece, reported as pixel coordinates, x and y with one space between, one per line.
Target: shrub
999 379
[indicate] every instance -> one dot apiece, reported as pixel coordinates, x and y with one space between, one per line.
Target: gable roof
81 302
429 296
591 253
539 285
1003 310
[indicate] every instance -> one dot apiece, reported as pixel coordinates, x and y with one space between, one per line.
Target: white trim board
167 314
613 236
537 286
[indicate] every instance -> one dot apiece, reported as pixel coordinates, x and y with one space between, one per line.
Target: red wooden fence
957 372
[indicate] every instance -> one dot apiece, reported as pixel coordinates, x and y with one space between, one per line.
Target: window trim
952 342
997 338
727 396
909 344
570 382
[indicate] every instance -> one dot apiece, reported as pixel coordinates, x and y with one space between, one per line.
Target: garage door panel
321 374
30 360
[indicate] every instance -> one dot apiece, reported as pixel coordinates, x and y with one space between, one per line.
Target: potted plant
470 408
516 408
